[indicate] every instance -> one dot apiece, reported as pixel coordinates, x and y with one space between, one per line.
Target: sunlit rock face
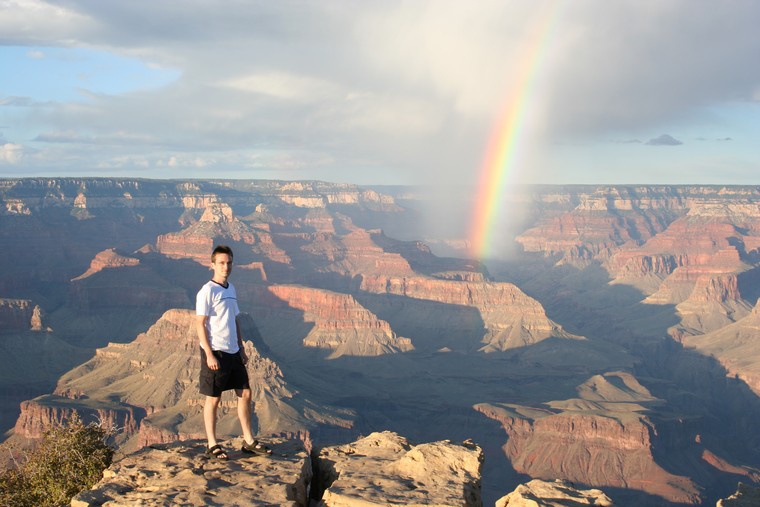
538 493
180 473
383 468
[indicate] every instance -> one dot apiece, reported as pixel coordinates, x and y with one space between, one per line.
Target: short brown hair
221 249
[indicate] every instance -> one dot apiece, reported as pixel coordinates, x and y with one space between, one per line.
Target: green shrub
69 458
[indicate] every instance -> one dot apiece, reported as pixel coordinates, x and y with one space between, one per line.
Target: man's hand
212 362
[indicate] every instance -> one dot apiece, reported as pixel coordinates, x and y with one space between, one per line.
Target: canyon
611 344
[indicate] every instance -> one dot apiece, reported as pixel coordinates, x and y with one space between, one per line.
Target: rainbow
503 149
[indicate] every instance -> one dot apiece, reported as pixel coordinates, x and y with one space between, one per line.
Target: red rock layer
512 318
341 324
108 259
603 221
217 225
45 411
352 254
589 449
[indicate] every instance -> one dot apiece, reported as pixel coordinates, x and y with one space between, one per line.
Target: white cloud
11 153
283 85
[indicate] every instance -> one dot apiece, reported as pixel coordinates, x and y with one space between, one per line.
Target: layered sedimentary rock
383 468
706 250
604 219
28 196
350 254
602 222
511 318
679 247
153 380
587 448
340 324
346 290
538 493
601 438
108 259
219 224
51 410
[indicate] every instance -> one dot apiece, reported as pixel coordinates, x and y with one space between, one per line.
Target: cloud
74 137
664 140
17 101
282 85
396 89
11 153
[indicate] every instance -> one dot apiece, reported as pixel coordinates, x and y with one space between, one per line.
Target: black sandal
256 448
216 452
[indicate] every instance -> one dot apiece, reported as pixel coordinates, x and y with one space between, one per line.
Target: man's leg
209 419
244 413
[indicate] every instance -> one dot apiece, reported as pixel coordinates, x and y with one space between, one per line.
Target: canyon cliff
126 386
608 342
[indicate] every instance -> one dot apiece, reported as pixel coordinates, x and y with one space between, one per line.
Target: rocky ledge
380 469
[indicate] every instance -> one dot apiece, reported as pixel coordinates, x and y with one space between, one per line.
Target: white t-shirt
219 304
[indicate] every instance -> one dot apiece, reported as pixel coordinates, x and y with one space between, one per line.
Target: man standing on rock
223 357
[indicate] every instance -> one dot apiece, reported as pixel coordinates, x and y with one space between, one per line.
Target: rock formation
602 222
745 496
181 474
19 315
108 259
601 438
380 469
511 318
385 469
538 493
128 384
340 324
595 345
735 347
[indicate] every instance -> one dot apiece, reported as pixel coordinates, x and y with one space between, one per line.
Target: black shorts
230 375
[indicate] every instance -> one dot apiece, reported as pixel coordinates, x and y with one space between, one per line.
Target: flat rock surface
181 474
385 469
538 493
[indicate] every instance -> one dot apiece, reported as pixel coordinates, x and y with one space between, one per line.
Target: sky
383 92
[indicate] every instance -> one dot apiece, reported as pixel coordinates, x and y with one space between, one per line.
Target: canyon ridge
610 342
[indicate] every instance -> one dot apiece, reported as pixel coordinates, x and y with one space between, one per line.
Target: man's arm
243 355
200 326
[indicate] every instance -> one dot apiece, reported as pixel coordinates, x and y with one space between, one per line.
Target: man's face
222 266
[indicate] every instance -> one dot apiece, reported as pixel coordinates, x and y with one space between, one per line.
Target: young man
223 357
